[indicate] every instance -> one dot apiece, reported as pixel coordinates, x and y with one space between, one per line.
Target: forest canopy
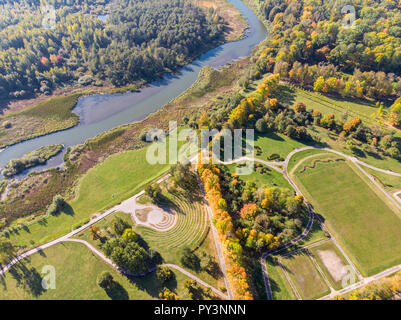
137 42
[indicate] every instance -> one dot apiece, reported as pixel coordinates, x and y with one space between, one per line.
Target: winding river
102 112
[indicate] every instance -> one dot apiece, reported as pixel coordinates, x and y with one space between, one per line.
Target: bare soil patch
333 264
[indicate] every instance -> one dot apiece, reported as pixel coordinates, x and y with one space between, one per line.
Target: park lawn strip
279 285
301 155
271 178
76 271
119 177
275 143
306 278
315 234
387 181
328 246
357 214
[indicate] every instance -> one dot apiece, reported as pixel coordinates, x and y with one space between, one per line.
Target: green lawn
76 271
271 178
315 234
329 247
301 155
306 278
279 285
117 178
275 143
387 181
359 216
325 104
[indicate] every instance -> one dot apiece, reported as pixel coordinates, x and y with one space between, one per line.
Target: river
102 112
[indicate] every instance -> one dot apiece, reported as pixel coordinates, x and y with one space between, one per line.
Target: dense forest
138 41
312 45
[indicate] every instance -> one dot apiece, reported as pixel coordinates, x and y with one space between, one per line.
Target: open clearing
270 178
275 143
338 106
76 271
359 216
306 278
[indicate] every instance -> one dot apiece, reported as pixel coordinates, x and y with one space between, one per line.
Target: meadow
281 289
306 278
47 116
271 178
275 143
358 215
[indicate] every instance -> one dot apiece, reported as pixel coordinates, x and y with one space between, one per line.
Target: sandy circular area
155 217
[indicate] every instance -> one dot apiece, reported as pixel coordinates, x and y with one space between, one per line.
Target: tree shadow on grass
42 253
28 278
117 292
152 286
374 155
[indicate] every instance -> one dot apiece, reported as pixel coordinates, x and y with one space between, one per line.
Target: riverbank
23 120
31 159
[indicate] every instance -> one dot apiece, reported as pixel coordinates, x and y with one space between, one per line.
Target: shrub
164 274
189 259
7 125
105 280
261 126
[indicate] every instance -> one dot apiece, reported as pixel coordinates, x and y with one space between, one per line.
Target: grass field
387 181
338 106
76 271
295 159
271 178
304 275
275 143
279 285
357 214
329 248
117 178
315 234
